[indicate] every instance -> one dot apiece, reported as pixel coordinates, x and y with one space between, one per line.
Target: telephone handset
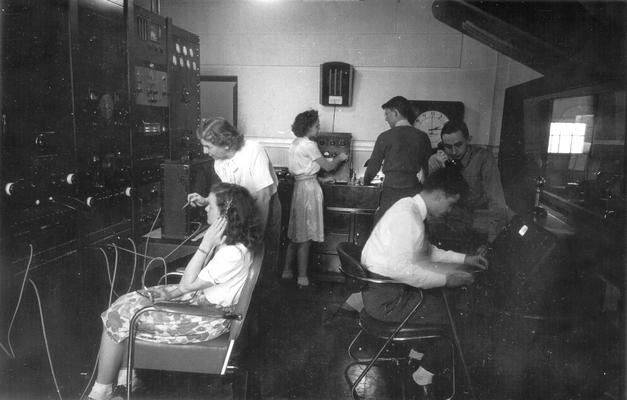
450 162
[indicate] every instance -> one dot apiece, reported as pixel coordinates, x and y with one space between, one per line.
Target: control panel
95 97
184 71
332 144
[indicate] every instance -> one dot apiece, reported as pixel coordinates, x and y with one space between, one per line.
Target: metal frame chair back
237 316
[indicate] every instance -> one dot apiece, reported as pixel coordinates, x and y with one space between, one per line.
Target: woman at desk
215 275
306 214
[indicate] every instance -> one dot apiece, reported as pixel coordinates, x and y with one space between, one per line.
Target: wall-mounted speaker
336 84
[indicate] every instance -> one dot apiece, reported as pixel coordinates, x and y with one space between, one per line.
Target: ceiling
552 37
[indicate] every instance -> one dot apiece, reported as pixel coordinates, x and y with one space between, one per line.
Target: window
567 137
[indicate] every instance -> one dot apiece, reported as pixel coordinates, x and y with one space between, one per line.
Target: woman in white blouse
306 218
242 162
215 275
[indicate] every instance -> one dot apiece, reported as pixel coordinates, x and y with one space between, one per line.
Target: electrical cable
53 200
135 252
193 234
115 271
148 236
17 306
165 269
43 329
108 266
130 285
111 292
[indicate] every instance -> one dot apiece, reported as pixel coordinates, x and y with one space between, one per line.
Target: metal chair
350 265
210 357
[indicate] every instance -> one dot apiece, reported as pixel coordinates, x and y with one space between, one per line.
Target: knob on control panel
92 201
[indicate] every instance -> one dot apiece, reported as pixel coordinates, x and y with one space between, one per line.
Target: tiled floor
298 351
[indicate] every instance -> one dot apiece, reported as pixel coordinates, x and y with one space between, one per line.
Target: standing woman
306 214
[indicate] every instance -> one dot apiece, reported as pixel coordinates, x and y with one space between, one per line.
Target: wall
397 48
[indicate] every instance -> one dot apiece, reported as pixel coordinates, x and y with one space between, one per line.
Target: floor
298 351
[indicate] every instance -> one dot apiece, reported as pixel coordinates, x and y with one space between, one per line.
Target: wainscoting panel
361 151
277 151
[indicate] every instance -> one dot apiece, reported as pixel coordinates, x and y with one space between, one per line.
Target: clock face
431 122
433 114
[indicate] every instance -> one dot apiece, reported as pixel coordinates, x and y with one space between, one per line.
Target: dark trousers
392 303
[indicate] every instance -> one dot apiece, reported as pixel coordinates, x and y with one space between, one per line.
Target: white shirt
302 155
249 167
227 271
398 249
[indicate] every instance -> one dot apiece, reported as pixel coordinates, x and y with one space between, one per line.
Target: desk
348 217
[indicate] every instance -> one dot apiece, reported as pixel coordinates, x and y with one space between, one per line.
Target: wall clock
431 115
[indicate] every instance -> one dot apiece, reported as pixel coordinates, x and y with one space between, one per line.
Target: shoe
302 281
119 393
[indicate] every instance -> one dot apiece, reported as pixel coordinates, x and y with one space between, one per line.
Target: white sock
122 377
101 391
416 355
422 377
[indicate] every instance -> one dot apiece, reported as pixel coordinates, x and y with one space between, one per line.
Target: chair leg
453 368
459 347
239 383
352 343
131 348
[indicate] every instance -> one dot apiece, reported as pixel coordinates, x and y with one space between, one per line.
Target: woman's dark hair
240 210
449 180
220 132
304 121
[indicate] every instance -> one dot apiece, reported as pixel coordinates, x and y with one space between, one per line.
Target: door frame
225 78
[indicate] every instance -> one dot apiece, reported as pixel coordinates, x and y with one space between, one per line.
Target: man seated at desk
483 212
398 248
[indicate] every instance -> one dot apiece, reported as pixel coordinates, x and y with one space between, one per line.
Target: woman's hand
214 236
155 294
197 200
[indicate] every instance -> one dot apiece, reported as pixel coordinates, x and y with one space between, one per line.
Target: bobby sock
101 391
422 377
122 377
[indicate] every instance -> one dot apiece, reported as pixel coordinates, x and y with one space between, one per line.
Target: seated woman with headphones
215 275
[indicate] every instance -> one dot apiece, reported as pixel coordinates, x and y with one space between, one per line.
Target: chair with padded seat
209 357
391 332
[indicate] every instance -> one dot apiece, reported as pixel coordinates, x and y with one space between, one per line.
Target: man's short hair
453 126
449 180
400 104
